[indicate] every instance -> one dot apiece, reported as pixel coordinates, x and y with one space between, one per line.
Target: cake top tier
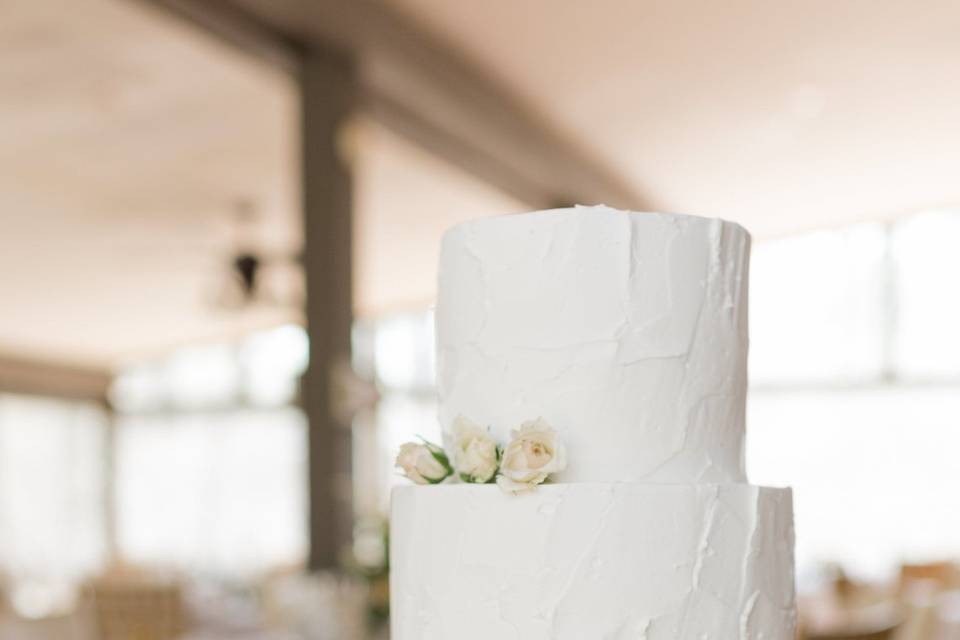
625 331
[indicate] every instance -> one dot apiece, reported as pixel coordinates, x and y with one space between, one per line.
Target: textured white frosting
626 331
592 561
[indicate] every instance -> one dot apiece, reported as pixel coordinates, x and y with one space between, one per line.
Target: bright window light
815 307
220 493
52 488
928 294
874 472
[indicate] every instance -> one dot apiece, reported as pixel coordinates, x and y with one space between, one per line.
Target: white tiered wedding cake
607 351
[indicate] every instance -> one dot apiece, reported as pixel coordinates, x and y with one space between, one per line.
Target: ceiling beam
425 90
238 28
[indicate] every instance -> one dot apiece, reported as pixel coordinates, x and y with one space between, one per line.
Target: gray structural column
329 90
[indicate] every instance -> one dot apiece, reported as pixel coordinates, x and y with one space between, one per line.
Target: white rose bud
533 454
423 463
475 455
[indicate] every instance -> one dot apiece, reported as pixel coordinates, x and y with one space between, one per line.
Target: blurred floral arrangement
369 560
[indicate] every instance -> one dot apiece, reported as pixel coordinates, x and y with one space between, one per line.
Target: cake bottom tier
592 562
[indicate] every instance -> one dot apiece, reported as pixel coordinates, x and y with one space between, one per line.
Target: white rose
475 455
533 454
423 463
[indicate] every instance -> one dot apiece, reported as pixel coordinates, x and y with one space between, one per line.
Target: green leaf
440 456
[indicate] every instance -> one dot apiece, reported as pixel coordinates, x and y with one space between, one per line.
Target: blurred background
220 226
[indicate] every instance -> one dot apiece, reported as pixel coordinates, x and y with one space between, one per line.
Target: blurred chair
137 608
69 623
67 627
318 606
877 620
945 575
918 598
879 634
948 616
922 588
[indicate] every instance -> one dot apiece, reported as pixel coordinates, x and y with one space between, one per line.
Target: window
398 352
211 457
855 399
927 262
814 305
221 493
53 490
874 471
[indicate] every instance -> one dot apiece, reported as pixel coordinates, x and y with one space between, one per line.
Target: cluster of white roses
533 453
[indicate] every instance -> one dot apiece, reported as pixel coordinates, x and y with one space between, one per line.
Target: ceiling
128 138
126 142
405 200
781 115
